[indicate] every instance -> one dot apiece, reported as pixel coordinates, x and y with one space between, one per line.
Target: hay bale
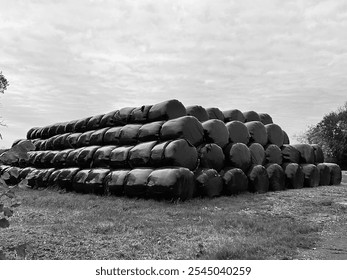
265 118
136 182
324 174
208 182
45 132
306 153
238 155
49 143
94 122
85 156
235 181
81 125
119 157
122 116
30 133
72 140
61 128
78 183
109 120
150 131
211 156
166 110
318 154
186 127
277 179
197 112
171 183
257 131
290 154
97 137
215 113
114 182
66 177
311 175
257 154
140 114
294 175
174 153
258 180
111 136
71 158
140 155
128 134
233 115
94 181
285 138
251 116
335 173
238 132
216 132
273 154
84 139
102 155
48 158
69 127
59 141
274 134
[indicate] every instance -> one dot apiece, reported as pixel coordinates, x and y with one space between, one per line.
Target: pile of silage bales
172 152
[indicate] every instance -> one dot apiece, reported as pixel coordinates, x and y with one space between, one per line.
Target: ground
309 223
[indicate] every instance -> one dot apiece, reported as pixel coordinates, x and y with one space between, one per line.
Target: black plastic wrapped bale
81 125
136 182
111 136
140 114
119 157
38 143
70 126
273 154
208 182
30 133
94 122
97 137
166 110
108 120
335 173
47 159
175 153
251 116
311 175
41 176
84 139
274 134
59 142
324 174
31 177
122 116
150 131
233 115
285 138
114 182
290 154
197 111
277 179
238 155
215 113
265 118
52 131
186 127
61 128
128 134
49 143
78 183
257 154
171 183
294 175
31 158
72 140
258 180
101 157
59 160
257 132
24 172
38 133
66 176
140 155
71 159
34 133
306 153
238 132
318 154
94 183
45 132
38 160
216 132
235 181
85 156
53 178
211 156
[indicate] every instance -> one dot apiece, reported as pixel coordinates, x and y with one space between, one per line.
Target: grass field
292 224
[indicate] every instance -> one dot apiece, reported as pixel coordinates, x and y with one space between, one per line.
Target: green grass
276 225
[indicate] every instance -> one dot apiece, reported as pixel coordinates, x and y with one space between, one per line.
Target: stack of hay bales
172 152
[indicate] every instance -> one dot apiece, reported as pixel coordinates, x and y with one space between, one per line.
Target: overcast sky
76 58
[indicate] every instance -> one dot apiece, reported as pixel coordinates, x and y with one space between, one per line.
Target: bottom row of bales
178 182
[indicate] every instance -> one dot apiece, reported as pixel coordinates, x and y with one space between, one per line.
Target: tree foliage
331 134
3 83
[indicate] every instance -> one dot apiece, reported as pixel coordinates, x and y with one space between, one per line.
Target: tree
3 83
331 134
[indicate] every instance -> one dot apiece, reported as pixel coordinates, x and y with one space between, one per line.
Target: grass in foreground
53 225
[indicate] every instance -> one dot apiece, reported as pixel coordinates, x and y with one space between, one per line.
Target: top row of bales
163 111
